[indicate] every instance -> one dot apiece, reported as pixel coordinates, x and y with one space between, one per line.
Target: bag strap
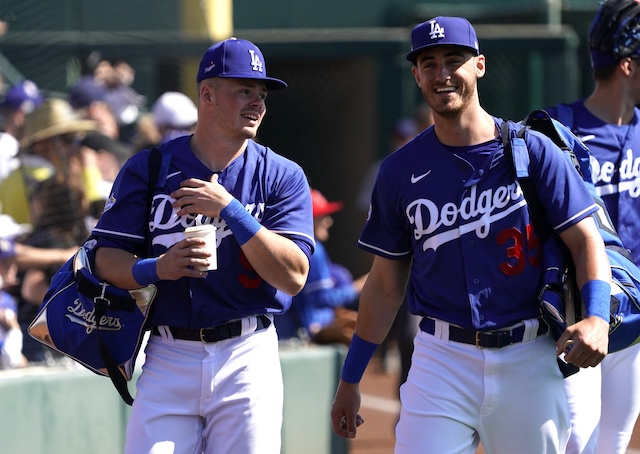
115 374
516 151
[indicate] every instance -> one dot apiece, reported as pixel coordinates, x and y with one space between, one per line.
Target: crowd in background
59 156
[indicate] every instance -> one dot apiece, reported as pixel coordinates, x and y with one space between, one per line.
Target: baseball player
211 382
605 401
448 222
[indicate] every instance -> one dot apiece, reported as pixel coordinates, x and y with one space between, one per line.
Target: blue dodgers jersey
615 168
272 188
475 256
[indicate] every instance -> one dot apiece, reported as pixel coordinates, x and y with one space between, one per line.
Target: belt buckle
202 336
497 339
478 340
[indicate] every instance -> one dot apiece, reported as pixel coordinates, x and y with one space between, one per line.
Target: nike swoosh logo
173 174
587 138
415 179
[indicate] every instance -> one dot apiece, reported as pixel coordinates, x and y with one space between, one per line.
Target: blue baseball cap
24 95
85 92
443 31
237 59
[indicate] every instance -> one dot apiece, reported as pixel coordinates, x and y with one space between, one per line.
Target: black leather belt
483 339
215 334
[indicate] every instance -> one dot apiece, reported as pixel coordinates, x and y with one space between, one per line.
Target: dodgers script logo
168 228
256 63
603 173
479 209
436 30
78 314
210 67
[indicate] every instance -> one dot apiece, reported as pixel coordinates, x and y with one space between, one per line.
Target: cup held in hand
208 233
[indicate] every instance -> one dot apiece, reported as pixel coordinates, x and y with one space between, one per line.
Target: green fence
53 410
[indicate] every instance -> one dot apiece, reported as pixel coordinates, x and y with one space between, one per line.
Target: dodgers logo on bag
79 313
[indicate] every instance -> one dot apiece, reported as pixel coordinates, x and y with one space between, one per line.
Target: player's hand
344 412
202 197
585 343
180 260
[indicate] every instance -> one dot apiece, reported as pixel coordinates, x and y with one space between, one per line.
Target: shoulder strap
155 161
515 149
115 374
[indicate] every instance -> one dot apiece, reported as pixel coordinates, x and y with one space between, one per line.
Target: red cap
321 206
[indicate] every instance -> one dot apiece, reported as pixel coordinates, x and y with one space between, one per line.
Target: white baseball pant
512 399
219 398
605 404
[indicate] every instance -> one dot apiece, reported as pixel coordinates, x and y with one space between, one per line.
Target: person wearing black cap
211 381
450 231
605 401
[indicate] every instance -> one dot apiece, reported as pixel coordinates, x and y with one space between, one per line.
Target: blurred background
351 101
344 62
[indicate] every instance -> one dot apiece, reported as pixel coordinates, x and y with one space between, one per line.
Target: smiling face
239 105
447 77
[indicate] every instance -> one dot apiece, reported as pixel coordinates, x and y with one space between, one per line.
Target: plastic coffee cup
208 233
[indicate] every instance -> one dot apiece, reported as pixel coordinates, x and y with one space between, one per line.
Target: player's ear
627 65
480 66
206 92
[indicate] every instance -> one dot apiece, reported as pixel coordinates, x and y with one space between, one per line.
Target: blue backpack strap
550 297
515 146
115 374
516 149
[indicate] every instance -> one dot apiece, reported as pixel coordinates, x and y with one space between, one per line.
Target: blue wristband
144 271
242 224
596 295
358 356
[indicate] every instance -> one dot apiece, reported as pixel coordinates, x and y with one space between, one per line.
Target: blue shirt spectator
323 311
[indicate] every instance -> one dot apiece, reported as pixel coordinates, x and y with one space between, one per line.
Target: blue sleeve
320 296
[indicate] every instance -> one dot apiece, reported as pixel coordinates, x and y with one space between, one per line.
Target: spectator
145 134
111 154
50 143
117 78
19 101
324 310
10 334
175 115
89 100
27 256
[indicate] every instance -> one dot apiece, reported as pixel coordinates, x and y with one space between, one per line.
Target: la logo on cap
436 30
256 63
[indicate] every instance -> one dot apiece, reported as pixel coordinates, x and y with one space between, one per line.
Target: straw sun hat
52 118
